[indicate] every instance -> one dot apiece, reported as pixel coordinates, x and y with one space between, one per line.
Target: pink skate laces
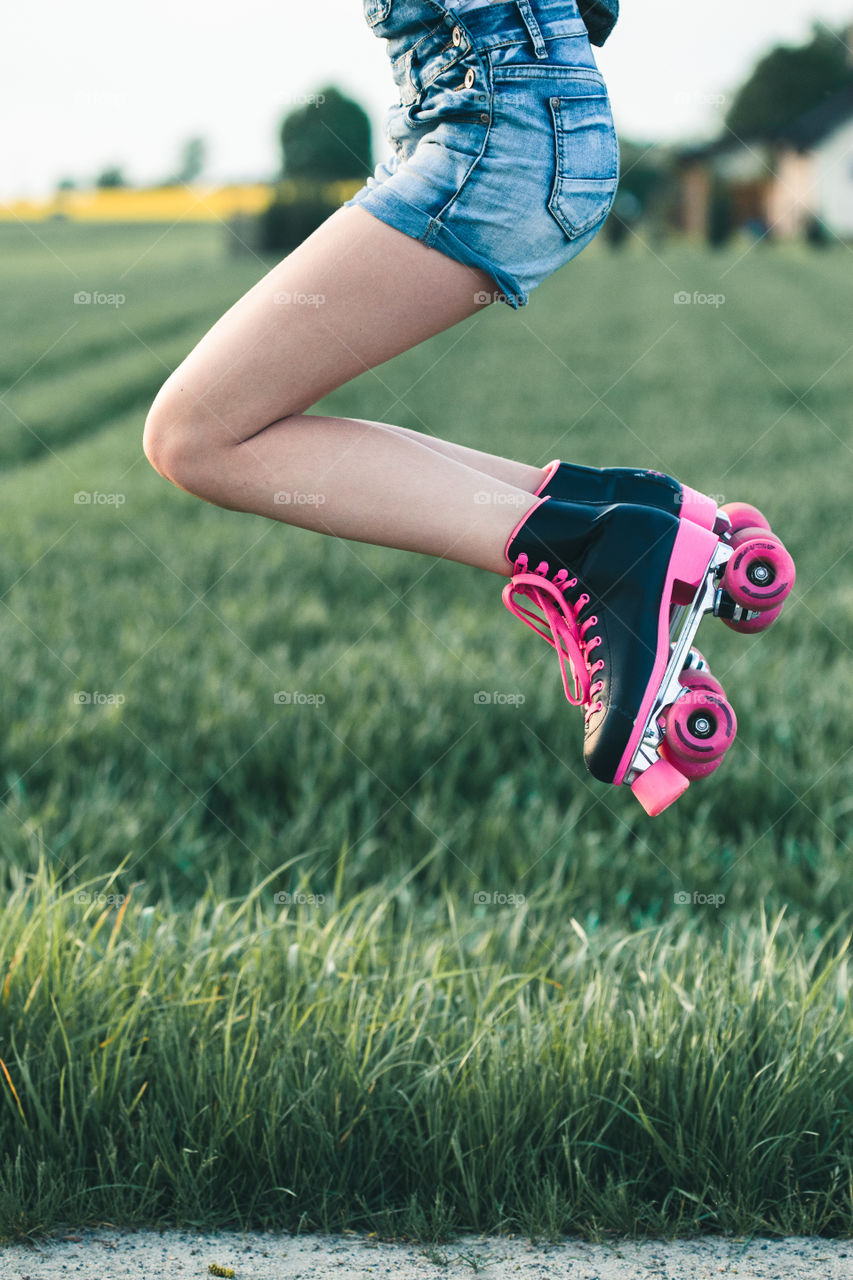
557 623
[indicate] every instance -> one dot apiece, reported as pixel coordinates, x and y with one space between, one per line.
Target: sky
95 83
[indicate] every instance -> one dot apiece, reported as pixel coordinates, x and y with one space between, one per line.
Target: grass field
246 972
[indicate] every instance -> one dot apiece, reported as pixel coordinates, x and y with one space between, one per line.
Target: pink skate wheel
749 626
659 786
699 725
747 531
761 573
694 769
743 516
691 679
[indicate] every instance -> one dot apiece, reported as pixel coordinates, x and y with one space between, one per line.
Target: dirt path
148 1255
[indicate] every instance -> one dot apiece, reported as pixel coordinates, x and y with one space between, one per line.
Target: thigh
356 293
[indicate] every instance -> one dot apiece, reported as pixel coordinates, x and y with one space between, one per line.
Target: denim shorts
504 154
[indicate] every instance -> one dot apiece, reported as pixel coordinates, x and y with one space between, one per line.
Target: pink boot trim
550 470
521 522
697 507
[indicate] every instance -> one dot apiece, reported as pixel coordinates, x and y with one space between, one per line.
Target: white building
802 176
813 176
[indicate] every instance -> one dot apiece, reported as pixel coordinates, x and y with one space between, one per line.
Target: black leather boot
603 578
571 483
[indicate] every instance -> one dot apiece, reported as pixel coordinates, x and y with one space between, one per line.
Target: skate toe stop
659 786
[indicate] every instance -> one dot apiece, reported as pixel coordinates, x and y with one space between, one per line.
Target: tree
787 82
327 139
193 160
111 177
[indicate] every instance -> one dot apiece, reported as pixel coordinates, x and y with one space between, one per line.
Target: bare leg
230 423
491 464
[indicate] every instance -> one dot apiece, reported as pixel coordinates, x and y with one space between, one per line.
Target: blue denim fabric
599 15
504 154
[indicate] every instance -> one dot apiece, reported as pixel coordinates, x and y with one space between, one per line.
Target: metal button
457 36
484 119
470 77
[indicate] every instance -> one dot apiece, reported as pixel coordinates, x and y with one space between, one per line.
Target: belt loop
533 27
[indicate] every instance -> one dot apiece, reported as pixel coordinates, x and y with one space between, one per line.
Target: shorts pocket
587 152
454 89
376 11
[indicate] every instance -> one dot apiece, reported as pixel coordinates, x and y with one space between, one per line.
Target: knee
170 439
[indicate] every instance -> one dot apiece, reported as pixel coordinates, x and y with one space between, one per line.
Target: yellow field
162 204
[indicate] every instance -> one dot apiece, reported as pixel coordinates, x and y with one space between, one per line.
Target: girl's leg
491 464
230 424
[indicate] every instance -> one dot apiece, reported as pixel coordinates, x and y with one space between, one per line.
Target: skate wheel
659 786
693 679
761 573
693 769
742 515
699 726
749 626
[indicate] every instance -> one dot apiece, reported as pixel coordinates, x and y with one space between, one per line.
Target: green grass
410 1072
387 1051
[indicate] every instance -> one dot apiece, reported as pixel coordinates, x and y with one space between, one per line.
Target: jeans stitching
576 230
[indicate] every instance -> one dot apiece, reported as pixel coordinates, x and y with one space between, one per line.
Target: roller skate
572 483
619 590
